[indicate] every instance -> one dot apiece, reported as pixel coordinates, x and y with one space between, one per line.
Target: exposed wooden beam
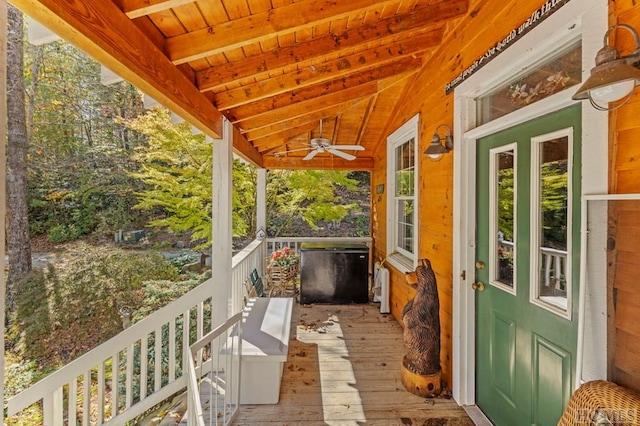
150 31
245 150
260 66
393 71
260 26
99 28
318 163
312 116
301 108
319 73
279 140
365 120
137 8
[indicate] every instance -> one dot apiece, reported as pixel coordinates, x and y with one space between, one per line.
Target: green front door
527 201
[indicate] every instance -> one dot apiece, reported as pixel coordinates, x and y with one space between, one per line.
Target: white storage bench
265 343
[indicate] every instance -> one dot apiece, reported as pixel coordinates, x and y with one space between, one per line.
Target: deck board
343 368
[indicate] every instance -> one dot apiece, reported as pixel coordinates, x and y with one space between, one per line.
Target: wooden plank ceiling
274 68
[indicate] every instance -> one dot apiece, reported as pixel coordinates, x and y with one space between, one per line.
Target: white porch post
3 173
261 200
221 250
261 215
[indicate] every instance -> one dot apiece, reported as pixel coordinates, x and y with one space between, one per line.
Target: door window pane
503 226
553 218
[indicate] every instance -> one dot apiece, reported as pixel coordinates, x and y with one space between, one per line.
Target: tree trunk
18 244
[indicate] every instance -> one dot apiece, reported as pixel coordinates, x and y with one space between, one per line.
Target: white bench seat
265 343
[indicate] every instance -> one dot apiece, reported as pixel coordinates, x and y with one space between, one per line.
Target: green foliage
554 193
505 202
20 374
312 195
176 168
158 293
553 200
65 310
78 154
245 182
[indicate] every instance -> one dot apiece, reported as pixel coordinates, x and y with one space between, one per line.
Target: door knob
478 286
480 264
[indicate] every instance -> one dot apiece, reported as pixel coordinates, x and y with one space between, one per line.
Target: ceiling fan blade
310 155
349 147
341 154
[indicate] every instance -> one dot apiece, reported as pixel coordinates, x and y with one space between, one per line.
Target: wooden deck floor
344 369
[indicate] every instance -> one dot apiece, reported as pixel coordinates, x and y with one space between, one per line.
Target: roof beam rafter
320 162
260 65
280 140
314 116
383 76
301 108
138 8
319 73
255 28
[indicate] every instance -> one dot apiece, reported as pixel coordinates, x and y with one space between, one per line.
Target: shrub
67 309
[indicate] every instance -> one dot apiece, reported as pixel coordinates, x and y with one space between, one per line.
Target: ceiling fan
320 145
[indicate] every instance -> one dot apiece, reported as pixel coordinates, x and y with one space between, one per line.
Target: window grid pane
505 217
553 213
405 225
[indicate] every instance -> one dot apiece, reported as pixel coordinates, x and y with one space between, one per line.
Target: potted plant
284 265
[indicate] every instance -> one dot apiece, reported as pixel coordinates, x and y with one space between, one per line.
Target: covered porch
342 366
389 79
343 369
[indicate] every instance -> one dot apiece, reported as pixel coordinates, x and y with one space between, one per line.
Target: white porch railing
554 272
251 257
140 367
214 371
553 264
274 244
146 363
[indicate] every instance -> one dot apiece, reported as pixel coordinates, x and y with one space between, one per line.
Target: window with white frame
402 195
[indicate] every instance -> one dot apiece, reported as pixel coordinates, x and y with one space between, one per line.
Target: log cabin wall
487 22
624 220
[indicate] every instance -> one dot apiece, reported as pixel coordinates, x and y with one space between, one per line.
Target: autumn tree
79 148
18 244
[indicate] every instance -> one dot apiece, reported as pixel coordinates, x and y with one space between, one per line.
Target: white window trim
403 134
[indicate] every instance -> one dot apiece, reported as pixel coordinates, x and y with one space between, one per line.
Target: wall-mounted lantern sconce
435 150
614 77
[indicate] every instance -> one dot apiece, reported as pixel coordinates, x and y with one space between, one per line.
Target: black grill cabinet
334 273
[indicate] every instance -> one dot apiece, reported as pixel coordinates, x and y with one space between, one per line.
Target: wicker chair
602 403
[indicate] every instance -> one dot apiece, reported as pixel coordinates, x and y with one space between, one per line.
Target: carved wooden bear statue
421 319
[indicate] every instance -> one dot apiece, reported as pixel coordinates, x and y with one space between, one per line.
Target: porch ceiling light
614 77
436 149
